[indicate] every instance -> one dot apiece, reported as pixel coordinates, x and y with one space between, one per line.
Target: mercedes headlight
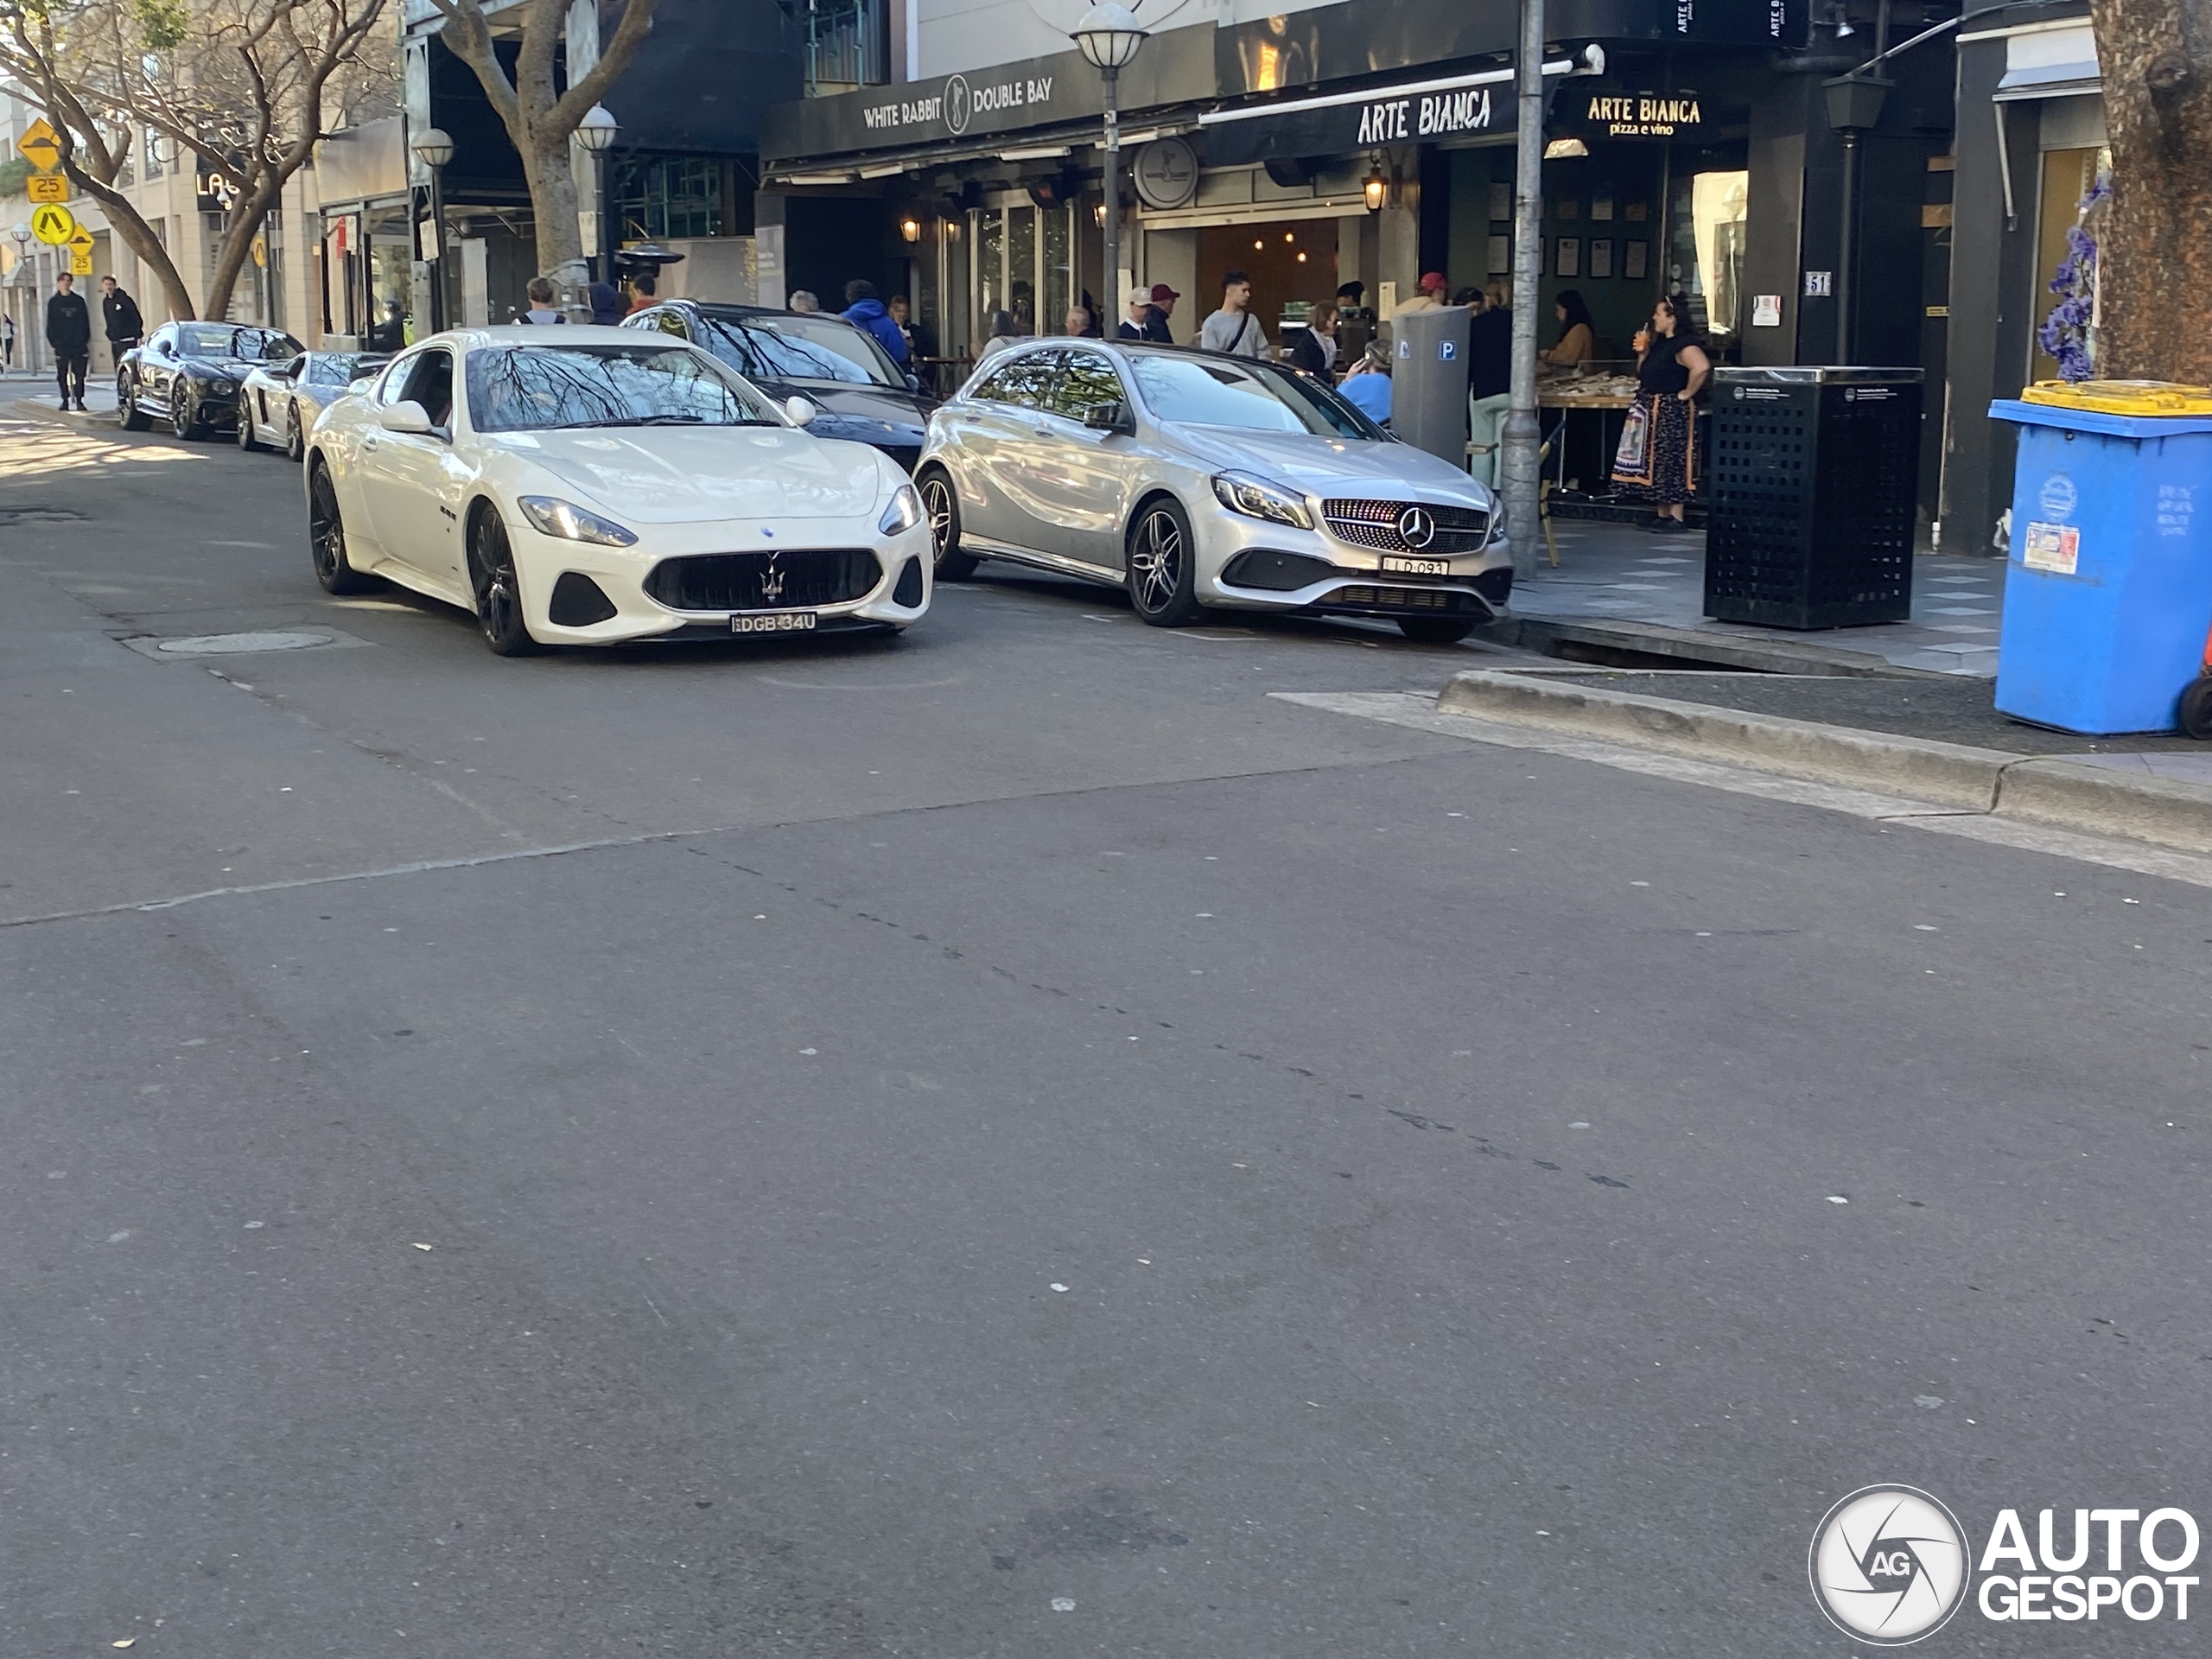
1257 499
903 514
565 520
1497 517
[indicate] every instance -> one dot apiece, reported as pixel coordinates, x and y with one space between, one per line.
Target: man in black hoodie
69 332
126 328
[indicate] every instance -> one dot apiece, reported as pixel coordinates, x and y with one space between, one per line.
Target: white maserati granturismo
588 486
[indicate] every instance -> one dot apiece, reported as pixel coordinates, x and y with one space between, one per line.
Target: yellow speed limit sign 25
54 224
46 187
80 264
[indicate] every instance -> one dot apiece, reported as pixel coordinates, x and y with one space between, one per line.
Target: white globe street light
596 132
1109 35
433 147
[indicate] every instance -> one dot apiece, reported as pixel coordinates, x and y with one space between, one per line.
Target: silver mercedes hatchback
1197 480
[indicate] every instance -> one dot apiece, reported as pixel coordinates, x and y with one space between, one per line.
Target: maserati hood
1334 466
681 475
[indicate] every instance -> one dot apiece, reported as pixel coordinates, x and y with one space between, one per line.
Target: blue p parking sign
1448 350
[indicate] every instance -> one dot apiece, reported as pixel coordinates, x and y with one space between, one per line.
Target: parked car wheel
184 415
1161 576
326 537
498 593
2197 708
127 415
1436 630
245 433
296 443
942 503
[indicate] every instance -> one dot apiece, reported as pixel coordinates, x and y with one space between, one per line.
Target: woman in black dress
1657 459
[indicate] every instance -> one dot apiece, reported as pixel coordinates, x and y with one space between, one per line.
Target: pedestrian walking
645 290
69 332
804 302
1078 321
1158 327
119 314
1136 319
7 342
1656 461
543 312
1233 328
864 311
606 304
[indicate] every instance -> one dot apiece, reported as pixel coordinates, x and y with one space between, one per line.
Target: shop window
661 196
848 46
1023 261
1719 215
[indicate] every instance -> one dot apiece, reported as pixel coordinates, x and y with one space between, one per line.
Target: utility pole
1523 436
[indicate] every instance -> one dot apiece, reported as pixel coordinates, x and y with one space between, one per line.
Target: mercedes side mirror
799 411
409 419
1110 417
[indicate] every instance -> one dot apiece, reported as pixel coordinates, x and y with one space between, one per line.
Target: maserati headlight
216 384
903 513
554 516
1257 499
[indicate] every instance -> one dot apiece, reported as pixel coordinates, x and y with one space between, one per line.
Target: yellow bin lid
2122 396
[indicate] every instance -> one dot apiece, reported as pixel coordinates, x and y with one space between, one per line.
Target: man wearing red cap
1156 315
1429 297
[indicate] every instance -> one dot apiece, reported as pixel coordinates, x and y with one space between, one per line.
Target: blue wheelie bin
2109 600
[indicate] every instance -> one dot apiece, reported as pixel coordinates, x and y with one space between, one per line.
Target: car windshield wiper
646 420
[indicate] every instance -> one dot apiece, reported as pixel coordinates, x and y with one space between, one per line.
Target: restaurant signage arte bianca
1607 112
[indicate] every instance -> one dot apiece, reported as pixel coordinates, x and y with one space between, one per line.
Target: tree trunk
2154 264
553 202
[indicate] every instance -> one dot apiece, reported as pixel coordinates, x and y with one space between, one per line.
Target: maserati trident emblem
771 582
1416 527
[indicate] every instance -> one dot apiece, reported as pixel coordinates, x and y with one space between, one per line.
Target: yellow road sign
80 263
80 243
42 145
261 251
46 187
54 224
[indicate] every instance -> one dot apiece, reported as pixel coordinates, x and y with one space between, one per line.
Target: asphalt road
1007 1143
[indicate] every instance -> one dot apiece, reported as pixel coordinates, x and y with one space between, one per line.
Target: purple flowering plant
2065 334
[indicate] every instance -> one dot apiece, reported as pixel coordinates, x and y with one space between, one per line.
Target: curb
2063 794
1697 645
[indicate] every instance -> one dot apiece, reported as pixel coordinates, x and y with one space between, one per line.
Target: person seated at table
1577 340
1313 348
1368 386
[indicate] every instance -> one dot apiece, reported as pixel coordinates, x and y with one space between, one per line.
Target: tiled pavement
1622 573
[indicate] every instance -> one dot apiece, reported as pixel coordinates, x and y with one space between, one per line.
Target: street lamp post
1854 107
25 280
434 149
1109 35
1520 440
596 133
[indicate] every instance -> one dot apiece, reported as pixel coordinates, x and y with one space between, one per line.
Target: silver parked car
278 403
1199 480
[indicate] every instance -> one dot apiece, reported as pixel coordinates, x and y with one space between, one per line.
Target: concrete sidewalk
1623 578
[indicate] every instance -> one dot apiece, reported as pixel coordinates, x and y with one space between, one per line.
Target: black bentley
862 393
188 374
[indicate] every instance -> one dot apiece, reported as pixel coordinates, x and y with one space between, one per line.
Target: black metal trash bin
1811 512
